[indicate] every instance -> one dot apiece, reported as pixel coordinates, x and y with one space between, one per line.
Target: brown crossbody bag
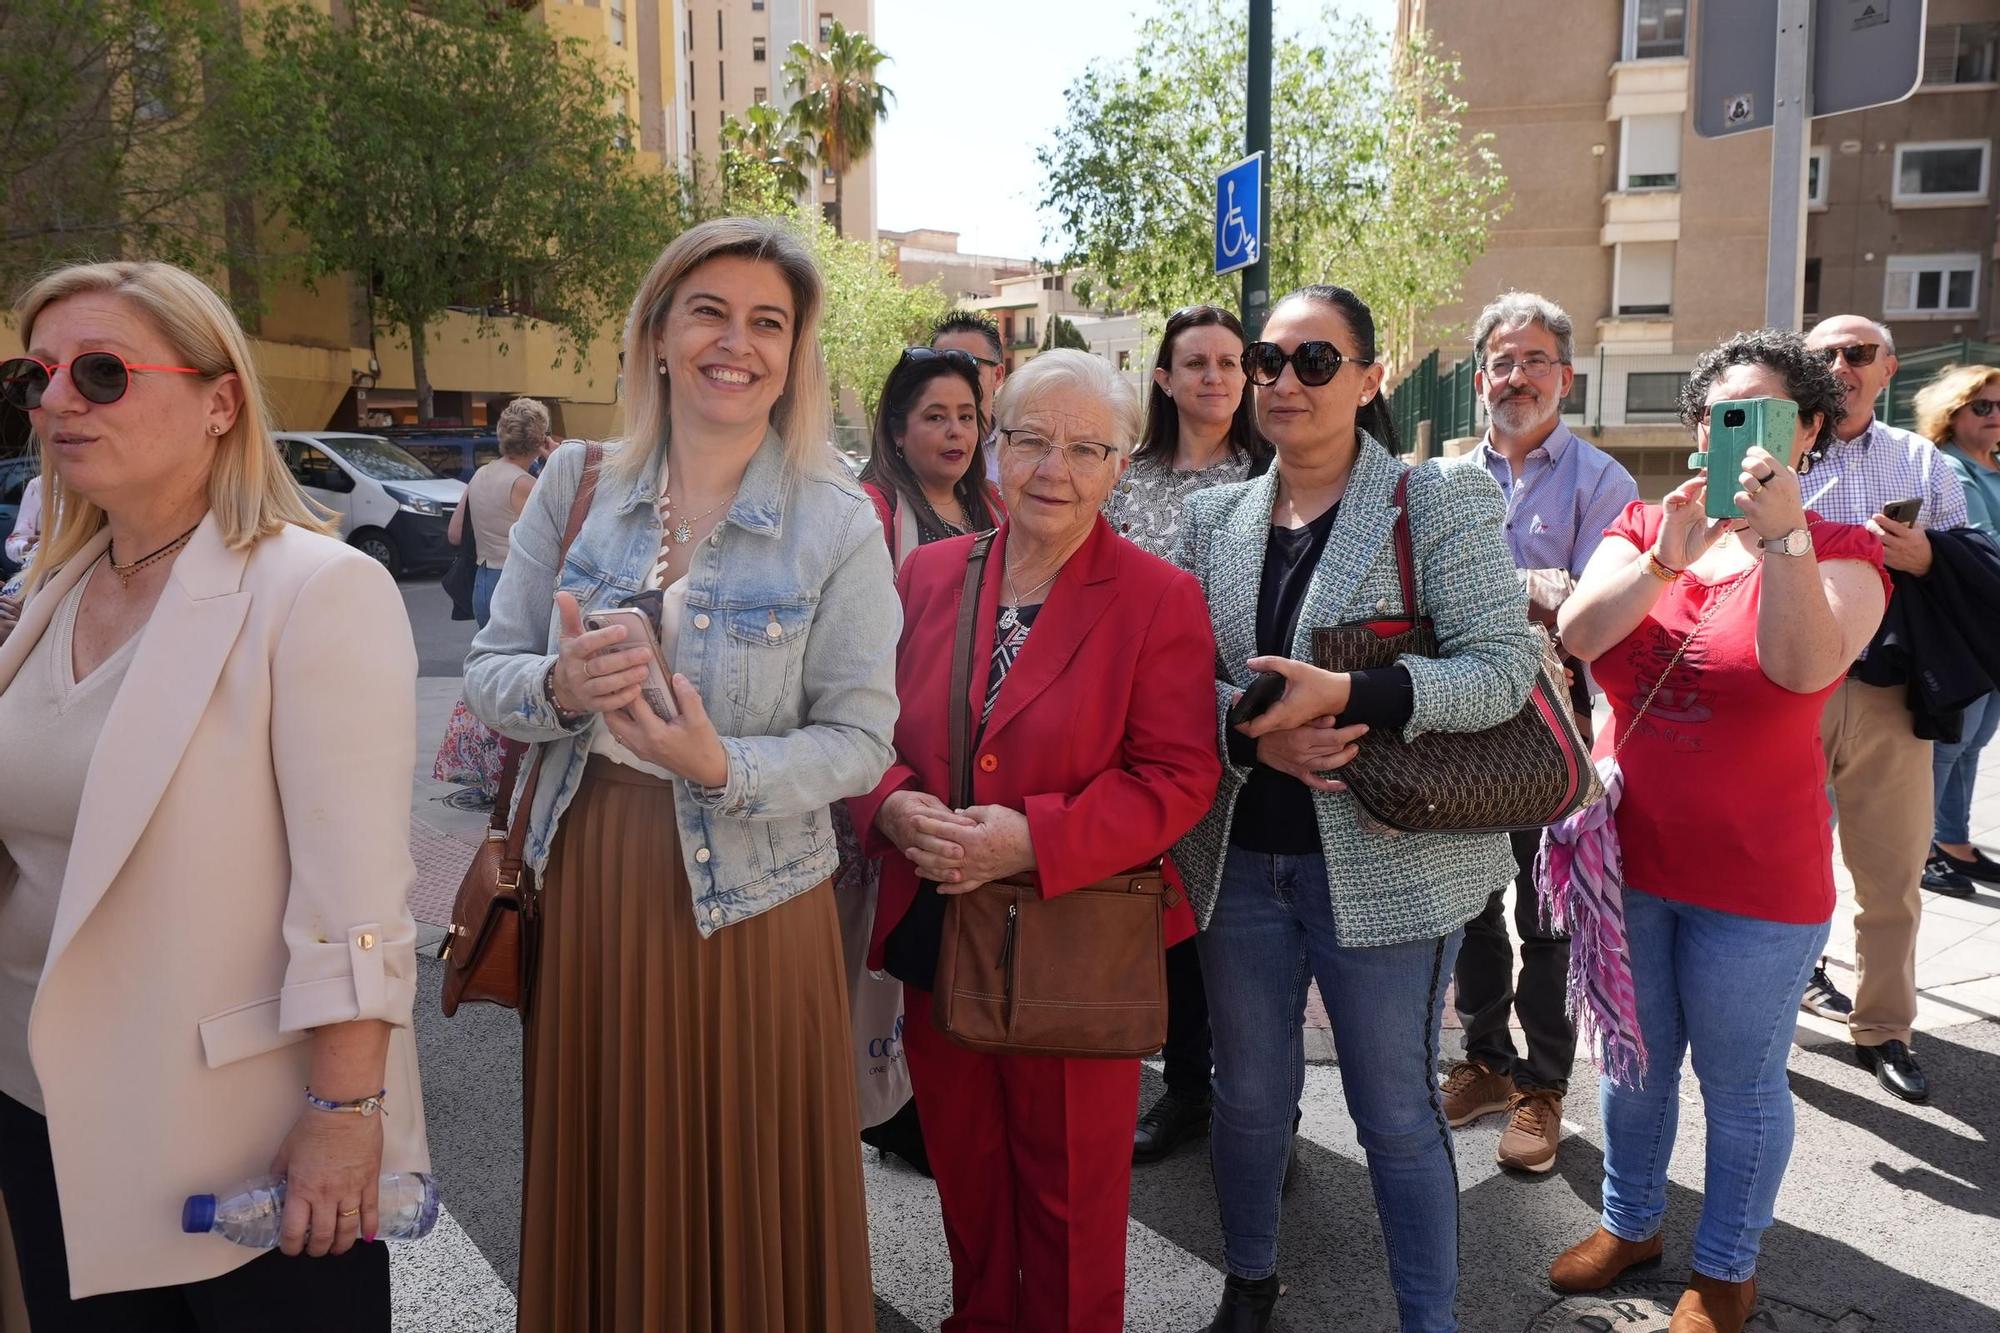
1082 974
490 948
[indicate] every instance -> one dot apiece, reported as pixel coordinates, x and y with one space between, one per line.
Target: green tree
1062 333
839 100
457 154
870 316
764 136
106 142
1374 184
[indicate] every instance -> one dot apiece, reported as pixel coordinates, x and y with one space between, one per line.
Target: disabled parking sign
1239 213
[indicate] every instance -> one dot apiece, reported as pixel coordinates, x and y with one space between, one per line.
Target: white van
389 504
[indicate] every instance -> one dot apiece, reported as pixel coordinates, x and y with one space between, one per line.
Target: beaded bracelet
1661 570
360 1106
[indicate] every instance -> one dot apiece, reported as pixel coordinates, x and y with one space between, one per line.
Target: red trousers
1033 1157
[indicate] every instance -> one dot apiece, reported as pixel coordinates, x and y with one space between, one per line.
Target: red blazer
1104 731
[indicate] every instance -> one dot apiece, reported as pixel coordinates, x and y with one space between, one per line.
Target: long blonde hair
800 416
1940 400
250 491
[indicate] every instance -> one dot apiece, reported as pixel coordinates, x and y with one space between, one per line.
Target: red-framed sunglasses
102 377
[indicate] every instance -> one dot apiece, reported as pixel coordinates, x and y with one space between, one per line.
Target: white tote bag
874 999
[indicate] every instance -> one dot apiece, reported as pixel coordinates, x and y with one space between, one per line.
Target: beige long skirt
692 1154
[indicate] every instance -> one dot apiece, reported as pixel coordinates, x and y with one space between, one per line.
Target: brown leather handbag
1526 773
1082 974
493 940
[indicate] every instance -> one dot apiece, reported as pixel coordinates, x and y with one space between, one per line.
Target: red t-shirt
1725 780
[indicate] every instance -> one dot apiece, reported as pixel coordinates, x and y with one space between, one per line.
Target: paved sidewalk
1888 1220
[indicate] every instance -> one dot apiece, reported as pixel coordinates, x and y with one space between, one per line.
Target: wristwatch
1794 543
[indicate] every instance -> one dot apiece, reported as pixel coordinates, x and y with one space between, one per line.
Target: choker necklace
125 572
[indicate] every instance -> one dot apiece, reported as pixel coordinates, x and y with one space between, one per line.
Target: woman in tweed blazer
1287 881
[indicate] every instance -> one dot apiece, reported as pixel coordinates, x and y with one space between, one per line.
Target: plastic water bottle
251 1213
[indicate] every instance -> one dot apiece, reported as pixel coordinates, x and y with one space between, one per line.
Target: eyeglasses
1316 362
1534 367
1983 407
1855 354
1085 457
951 356
101 377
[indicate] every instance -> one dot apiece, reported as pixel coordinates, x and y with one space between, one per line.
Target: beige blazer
240 875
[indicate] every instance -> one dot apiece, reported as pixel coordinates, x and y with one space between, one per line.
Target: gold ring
349 1212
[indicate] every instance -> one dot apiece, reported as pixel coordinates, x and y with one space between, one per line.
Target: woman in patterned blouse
1199 433
1199 429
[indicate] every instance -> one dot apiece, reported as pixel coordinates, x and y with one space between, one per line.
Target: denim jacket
789 634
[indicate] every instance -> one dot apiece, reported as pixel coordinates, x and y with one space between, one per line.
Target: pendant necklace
1010 619
683 530
125 572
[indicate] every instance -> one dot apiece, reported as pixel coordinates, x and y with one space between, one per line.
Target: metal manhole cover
1645 1307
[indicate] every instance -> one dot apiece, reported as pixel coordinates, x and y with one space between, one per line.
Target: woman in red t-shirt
1723 823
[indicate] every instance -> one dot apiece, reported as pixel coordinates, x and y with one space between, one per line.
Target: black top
1274 811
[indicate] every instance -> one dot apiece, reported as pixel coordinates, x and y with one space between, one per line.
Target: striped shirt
1881 466
1568 493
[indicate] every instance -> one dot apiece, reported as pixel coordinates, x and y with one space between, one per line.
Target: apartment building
931 255
734 54
1655 240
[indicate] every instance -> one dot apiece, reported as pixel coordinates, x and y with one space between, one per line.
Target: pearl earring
215 430
661 365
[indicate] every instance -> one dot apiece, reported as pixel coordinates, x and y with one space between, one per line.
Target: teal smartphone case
1733 428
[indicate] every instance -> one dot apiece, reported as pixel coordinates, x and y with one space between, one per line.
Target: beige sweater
49 725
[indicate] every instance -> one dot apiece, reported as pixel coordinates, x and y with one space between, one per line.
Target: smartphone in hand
1734 428
1903 511
657 691
1265 690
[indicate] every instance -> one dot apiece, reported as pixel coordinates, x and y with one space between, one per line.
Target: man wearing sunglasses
1562 493
1879 767
978 337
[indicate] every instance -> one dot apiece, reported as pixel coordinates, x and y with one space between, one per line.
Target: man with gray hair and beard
1561 494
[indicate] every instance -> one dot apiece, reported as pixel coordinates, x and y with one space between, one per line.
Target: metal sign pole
1791 148
1257 139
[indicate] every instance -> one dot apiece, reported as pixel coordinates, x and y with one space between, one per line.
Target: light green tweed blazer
1388 887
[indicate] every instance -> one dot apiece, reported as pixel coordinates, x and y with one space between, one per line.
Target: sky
979 88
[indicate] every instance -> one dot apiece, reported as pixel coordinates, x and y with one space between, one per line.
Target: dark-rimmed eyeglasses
1983 407
1534 367
1083 456
1854 354
101 377
951 356
1315 361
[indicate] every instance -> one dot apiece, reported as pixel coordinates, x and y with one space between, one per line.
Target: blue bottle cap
198 1214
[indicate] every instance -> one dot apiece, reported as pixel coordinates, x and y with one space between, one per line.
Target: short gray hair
523 427
1512 310
1067 368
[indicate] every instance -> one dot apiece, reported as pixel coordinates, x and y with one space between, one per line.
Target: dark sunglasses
1983 407
102 377
1316 362
1855 354
951 356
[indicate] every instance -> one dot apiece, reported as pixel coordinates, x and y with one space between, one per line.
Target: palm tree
839 101
763 136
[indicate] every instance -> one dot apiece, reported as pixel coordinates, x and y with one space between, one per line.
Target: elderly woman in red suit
1090 756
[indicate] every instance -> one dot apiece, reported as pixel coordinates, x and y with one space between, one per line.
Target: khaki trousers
1881 776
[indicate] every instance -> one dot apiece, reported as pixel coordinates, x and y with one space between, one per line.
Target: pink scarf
1578 878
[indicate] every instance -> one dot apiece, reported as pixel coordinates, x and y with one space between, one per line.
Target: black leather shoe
1980 867
1941 879
902 1135
1168 1123
1246 1305
1895 1069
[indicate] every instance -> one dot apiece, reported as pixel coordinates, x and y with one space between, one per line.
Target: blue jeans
1728 986
1271 934
1954 768
484 581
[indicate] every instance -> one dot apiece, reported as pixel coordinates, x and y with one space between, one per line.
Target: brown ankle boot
1710 1305
1596 1263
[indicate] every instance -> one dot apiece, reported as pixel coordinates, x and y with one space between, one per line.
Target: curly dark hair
1809 381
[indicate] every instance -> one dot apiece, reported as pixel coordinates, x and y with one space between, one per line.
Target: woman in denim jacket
692 1159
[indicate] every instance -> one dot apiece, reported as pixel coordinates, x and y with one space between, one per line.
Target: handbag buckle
510 880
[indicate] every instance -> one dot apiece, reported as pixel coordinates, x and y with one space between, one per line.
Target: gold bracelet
1660 569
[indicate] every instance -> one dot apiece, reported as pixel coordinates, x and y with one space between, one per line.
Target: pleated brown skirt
692 1156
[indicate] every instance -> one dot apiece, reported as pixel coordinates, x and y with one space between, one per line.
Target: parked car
14 476
450 453
389 504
